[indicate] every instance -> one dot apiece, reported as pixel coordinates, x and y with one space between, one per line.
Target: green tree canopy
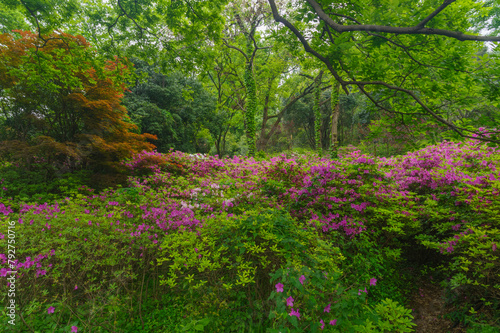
174 107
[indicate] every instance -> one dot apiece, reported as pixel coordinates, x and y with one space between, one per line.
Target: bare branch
45 40
426 20
452 126
304 42
194 12
360 84
141 29
235 48
418 29
308 76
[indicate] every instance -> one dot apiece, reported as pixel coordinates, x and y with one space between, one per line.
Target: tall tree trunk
317 114
262 141
251 104
335 120
218 143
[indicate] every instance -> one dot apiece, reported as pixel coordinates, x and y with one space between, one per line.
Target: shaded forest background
84 85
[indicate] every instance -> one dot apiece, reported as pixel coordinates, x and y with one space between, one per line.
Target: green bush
230 261
42 183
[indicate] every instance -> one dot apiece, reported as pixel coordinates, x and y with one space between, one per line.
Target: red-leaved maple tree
60 102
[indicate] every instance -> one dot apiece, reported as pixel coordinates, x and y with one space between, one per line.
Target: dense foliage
291 242
349 157
175 108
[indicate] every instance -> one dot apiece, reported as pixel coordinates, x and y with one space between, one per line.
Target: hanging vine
251 108
335 105
317 115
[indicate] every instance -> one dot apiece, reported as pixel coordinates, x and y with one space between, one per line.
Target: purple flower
50 310
295 313
494 247
333 322
289 301
76 287
322 324
362 291
327 308
41 272
74 329
373 281
279 287
302 279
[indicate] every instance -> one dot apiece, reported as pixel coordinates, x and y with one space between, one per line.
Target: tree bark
335 120
317 114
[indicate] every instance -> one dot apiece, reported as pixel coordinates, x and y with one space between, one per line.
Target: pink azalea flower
279 287
289 301
322 324
327 308
333 322
494 247
50 310
295 313
373 281
76 287
74 329
302 279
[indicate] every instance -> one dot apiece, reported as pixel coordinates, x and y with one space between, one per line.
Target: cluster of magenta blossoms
296 312
327 194
358 194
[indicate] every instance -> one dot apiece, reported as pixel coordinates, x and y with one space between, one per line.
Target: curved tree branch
360 84
141 29
235 48
304 42
453 127
426 20
418 29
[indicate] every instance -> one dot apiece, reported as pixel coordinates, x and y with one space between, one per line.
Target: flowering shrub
285 243
150 162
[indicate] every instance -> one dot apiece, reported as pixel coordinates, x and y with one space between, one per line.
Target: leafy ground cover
289 243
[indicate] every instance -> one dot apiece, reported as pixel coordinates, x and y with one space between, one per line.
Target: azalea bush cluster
290 243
